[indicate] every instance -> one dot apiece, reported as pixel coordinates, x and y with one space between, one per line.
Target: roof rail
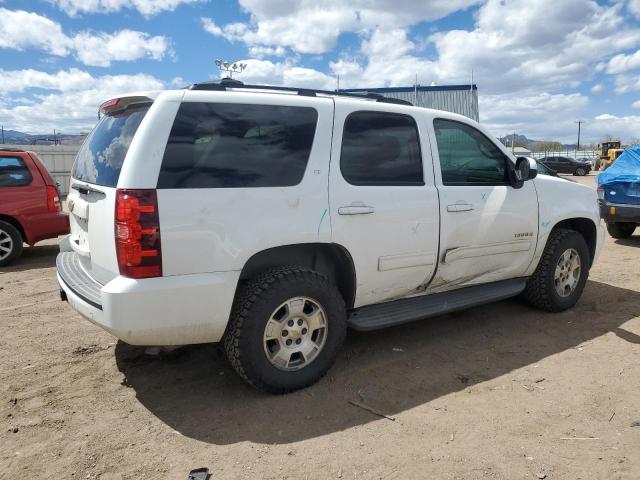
11 149
226 83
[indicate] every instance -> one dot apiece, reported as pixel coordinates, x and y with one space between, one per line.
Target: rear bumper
619 212
176 310
47 225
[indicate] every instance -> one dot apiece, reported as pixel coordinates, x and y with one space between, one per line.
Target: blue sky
539 66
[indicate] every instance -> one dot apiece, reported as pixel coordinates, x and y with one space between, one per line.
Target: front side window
14 172
380 148
230 145
467 156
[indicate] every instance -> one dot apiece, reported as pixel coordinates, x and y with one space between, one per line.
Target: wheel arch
330 259
12 221
585 227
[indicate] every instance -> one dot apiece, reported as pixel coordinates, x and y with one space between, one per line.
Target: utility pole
2 134
513 142
337 83
579 122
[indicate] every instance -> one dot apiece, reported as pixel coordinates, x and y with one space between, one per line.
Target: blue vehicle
619 194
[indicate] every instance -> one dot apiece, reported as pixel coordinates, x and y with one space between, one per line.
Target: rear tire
621 229
555 285
285 305
581 172
10 243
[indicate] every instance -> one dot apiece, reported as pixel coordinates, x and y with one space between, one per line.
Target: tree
634 141
546 146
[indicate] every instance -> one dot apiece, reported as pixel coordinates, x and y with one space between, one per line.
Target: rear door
91 199
383 201
488 229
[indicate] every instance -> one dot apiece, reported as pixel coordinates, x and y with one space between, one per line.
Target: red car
30 209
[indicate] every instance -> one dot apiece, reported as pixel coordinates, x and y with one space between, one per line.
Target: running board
388 314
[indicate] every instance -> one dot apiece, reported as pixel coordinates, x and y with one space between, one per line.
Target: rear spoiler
120 104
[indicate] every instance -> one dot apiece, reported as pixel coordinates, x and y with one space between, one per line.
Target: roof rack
226 83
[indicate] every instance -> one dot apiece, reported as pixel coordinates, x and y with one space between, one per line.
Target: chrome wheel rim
567 273
6 244
295 333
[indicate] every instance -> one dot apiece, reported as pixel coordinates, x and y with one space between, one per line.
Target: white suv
273 219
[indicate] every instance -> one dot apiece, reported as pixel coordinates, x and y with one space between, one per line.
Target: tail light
53 199
137 233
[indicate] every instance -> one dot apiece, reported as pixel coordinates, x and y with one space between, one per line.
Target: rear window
222 145
99 161
13 172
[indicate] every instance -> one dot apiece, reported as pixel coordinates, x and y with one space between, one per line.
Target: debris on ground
636 423
371 410
199 474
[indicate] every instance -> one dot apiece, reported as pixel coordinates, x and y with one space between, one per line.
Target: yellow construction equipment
609 153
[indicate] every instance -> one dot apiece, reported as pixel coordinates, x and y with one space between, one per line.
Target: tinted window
13 172
467 156
223 145
381 149
100 159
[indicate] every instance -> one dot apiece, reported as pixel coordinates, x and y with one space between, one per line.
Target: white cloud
634 7
70 102
21 30
313 27
145 7
627 83
599 87
265 72
636 104
623 63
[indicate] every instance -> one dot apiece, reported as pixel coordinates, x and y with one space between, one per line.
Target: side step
388 314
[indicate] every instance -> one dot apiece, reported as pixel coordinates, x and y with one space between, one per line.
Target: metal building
462 99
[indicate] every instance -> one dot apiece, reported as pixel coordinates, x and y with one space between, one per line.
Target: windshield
100 159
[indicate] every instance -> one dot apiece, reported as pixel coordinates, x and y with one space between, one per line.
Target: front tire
581 172
286 329
562 273
10 243
621 229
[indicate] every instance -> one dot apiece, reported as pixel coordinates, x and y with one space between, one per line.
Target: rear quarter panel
219 229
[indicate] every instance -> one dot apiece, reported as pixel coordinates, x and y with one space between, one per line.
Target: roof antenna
230 67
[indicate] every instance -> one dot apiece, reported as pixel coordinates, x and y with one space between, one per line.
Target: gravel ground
498 392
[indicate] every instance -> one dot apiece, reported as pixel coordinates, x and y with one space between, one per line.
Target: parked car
273 219
567 165
544 170
619 194
30 209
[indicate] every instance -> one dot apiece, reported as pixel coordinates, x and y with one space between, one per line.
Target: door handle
355 210
459 207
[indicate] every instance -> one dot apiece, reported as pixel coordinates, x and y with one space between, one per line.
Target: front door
488 228
383 201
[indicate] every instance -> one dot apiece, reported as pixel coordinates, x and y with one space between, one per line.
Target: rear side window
14 172
230 145
100 159
380 148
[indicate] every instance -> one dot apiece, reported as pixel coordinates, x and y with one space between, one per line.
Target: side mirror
525 169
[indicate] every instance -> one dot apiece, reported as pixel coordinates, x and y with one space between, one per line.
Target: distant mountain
519 139
522 140
20 138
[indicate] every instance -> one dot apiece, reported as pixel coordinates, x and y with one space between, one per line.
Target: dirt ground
497 392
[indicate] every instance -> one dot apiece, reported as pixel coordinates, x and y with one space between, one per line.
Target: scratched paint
321 220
